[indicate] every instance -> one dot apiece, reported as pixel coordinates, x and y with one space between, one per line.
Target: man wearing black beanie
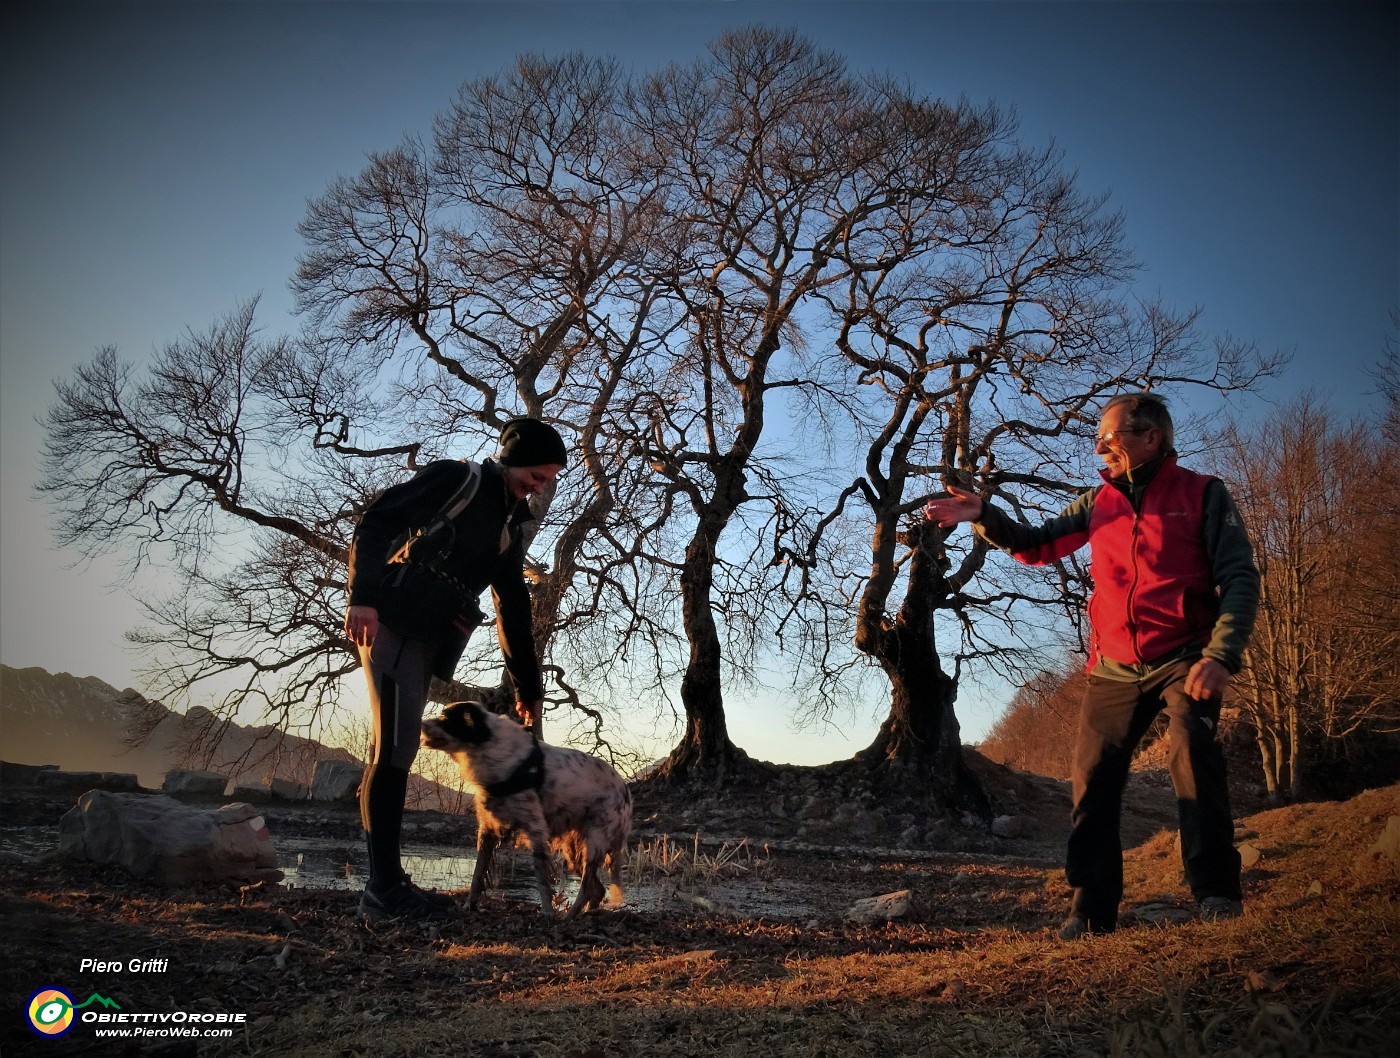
422 554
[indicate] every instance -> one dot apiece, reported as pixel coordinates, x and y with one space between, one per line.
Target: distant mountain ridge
80 723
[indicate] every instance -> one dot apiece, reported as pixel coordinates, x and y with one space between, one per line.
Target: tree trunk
920 740
1268 766
1295 750
705 750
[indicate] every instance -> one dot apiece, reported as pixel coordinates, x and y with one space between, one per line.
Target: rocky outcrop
157 838
336 780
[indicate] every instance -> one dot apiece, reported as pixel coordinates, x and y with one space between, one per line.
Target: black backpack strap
455 505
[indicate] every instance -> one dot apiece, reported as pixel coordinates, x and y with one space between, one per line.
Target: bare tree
1322 503
755 147
184 465
984 333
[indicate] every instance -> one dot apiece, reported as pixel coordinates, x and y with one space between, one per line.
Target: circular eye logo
50 1012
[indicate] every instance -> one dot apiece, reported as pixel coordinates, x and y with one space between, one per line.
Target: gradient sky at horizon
158 157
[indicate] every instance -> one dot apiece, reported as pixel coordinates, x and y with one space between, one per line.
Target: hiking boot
1077 927
432 896
1220 908
401 902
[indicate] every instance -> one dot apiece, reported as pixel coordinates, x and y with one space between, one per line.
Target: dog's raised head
487 747
458 727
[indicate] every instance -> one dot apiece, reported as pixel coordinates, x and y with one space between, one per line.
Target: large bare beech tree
773 305
985 334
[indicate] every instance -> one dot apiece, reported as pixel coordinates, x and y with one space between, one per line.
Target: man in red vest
1174 600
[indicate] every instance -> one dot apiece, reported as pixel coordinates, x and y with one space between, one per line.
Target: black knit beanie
531 443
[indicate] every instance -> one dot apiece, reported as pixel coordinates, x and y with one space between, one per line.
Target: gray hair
1147 411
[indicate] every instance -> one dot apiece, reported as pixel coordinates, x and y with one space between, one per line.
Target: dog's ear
465 721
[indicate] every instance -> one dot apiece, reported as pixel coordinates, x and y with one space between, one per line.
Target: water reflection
336 864
326 863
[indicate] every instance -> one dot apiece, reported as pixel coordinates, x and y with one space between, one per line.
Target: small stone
882 908
1008 826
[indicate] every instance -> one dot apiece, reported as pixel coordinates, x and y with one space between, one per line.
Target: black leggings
399 673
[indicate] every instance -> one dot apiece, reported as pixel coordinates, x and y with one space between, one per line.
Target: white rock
882 908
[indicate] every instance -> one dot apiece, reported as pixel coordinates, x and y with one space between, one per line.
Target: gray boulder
195 783
158 838
1008 826
286 790
336 780
251 792
87 780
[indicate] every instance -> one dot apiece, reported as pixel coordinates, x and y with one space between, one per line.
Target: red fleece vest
1153 588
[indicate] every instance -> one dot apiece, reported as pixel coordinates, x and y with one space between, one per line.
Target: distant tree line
772 304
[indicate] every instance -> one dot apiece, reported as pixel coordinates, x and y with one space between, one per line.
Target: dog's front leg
486 841
544 871
532 820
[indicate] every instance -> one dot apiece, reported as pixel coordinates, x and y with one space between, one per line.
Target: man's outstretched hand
958 506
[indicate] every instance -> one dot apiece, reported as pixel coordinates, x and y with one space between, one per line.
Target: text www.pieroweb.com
178 1024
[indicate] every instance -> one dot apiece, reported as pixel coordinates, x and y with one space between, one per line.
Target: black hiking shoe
1077 927
1220 908
432 896
401 902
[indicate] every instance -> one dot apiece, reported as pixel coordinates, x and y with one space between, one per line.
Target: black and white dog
560 798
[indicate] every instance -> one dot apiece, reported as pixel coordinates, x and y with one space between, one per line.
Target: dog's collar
528 776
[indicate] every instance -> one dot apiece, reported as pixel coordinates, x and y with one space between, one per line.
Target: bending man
413 607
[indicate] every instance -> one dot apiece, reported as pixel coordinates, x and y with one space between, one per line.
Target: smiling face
1121 445
524 482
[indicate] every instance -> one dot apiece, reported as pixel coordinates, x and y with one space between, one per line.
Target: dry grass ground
1311 969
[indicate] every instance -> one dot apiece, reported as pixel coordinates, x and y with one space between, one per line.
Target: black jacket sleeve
1236 577
515 624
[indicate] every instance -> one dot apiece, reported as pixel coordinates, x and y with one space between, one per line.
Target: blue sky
157 159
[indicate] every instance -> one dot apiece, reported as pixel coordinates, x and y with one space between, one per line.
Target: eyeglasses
1108 438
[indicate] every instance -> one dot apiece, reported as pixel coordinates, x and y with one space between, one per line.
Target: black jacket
483 547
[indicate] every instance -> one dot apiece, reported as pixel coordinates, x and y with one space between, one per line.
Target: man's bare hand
361 623
1207 679
530 713
960 506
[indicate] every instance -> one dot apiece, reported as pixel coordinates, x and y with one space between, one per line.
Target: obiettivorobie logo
51 1011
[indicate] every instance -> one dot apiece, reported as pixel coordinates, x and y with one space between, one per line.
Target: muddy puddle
337 865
